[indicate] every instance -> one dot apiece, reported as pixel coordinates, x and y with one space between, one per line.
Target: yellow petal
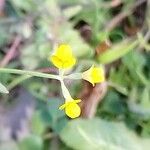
62 106
64 51
94 75
73 110
71 62
71 107
77 101
97 74
63 57
56 61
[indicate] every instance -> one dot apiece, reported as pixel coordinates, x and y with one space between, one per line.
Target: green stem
32 73
96 16
74 76
17 81
65 91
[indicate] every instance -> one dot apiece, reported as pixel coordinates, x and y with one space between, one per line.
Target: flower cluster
63 59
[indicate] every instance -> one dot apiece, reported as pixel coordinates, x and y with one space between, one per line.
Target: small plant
64 59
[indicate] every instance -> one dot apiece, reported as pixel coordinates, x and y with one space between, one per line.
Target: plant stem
27 72
17 81
65 91
74 76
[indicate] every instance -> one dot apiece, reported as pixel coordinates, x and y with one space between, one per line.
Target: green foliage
72 37
99 134
31 142
52 116
117 51
37 124
44 24
28 5
113 104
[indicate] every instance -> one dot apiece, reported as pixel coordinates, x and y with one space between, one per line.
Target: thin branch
2 4
118 18
27 72
91 97
11 52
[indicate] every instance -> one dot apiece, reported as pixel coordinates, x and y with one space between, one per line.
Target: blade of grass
117 51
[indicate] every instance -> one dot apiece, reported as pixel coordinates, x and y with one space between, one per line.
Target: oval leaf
117 51
98 134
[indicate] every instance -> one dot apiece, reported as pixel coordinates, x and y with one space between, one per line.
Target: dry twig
11 52
118 18
91 96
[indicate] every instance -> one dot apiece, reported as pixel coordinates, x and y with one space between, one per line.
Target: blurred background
115 114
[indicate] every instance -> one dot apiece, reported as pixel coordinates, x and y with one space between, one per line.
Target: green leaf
143 42
72 11
27 5
31 143
53 105
134 61
37 124
97 134
52 116
73 38
139 103
145 98
58 118
113 104
3 89
139 110
146 129
117 51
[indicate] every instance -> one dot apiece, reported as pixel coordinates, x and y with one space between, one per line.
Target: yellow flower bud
63 57
71 107
94 75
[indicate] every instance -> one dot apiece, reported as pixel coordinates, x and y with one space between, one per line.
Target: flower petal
73 110
63 106
71 107
94 75
69 63
97 74
56 61
64 51
77 101
63 57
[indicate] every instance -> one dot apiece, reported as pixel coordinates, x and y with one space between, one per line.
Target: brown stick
11 52
115 3
91 97
2 4
118 18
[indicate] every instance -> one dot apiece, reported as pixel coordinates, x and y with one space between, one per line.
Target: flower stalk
63 59
65 91
31 73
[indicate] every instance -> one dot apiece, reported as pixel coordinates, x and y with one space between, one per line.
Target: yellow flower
72 109
94 75
63 57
